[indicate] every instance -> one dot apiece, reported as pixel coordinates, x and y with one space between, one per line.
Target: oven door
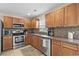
19 39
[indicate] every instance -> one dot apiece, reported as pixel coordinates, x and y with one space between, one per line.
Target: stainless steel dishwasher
46 46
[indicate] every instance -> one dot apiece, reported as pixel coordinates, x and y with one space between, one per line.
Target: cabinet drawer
70 46
56 42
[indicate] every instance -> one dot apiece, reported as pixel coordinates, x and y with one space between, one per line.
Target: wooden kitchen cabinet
77 14
60 48
69 49
59 17
7 42
70 15
36 42
15 21
8 22
34 23
27 23
18 21
21 21
27 39
56 48
49 19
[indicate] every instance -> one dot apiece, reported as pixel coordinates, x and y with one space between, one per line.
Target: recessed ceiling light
28 14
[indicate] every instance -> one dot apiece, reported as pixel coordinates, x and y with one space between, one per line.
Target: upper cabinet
8 22
59 17
55 19
27 23
18 21
64 17
78 14
34 23
70 15
49 19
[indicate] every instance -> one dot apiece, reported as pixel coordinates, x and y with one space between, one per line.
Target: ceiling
27 9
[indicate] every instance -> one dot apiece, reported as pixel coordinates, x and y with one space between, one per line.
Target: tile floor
24 51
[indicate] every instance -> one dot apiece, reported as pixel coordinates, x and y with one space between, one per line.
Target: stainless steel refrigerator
0 36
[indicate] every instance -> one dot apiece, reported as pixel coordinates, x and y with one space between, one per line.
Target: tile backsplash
63 32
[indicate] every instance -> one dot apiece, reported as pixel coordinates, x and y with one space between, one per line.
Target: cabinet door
7 42
69 49
33 23
56 50
59 17
36 42
70 15
78 14
8 22
21 21
27 23
56 47
15 20
68 52
49 19
52 18
27 39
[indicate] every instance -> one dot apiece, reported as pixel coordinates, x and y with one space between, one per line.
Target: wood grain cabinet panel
36 42
78 14
60 48
27 39
27 23
69 49
49 19
15 21
21 21
56 48
7 42
34 23
68 52
8 22
18 21
59 17
70 15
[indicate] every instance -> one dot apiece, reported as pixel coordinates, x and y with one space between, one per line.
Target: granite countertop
62 39
43 36
72 41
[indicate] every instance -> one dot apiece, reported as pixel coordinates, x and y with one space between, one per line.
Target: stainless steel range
18 36
18 41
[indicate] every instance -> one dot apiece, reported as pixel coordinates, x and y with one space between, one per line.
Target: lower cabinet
69 49
33 40
56 48
27 39
68 52
7 42
60 48
36 42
